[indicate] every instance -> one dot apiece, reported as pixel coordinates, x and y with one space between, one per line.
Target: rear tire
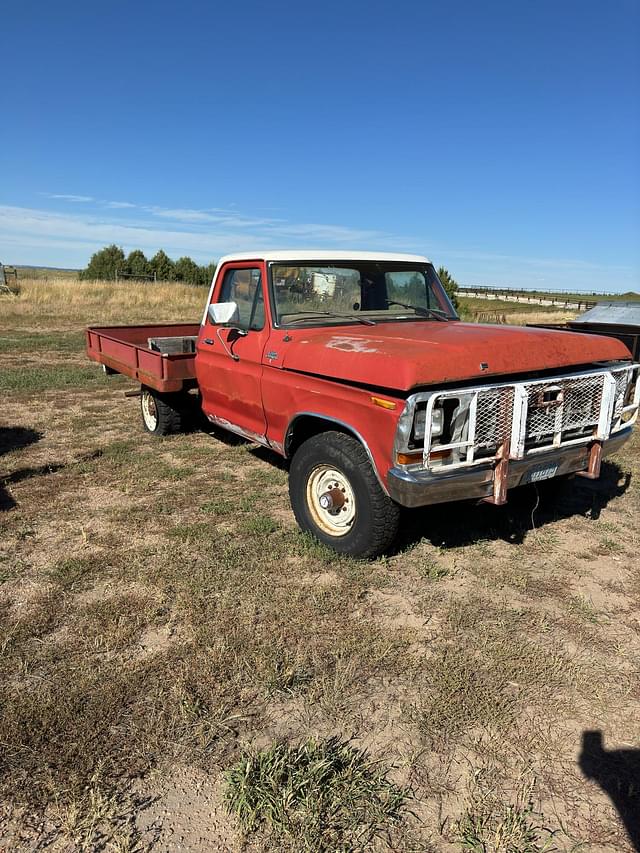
336 496
162 414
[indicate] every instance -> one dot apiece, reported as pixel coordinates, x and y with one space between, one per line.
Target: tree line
111 262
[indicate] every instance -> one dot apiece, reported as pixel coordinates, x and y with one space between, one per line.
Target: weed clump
492 825
322 795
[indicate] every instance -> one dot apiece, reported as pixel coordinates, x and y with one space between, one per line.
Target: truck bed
147 353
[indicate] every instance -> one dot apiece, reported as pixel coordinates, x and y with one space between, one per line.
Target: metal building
617 319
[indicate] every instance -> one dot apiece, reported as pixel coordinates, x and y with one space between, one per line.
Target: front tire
161 413
336 496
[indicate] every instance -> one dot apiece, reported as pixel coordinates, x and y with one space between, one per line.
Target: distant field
46 272
69 300
170 642
515 313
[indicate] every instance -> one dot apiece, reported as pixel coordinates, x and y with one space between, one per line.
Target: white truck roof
320 255
287 255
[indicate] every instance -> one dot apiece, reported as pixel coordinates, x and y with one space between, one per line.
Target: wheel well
306 426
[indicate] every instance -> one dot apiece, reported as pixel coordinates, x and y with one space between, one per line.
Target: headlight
630 391
419 424
627 402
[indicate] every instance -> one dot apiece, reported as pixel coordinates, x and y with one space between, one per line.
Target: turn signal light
384 404
409 458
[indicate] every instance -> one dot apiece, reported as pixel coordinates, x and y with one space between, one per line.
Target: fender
347 427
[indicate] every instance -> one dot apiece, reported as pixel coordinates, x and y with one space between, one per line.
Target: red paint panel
180 366
139 335
125 350
406 355
231 389
286 395
150 362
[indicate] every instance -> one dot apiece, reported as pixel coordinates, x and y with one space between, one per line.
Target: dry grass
63 303
521 318
516 313
162 619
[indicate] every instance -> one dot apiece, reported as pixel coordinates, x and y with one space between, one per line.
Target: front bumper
412 488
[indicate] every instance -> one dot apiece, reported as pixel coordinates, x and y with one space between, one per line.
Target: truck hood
404 355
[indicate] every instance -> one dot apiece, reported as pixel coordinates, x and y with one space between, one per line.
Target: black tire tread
385 513
171 415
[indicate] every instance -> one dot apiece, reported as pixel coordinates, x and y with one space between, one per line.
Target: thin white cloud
181 214
64 239
216 216
556 263
70 197
32 227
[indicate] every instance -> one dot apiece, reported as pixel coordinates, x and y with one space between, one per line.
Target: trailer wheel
161 413
336 496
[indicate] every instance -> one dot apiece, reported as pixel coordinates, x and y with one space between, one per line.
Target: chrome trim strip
420 487
237 430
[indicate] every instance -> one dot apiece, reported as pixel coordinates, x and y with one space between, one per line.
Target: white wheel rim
149 411
327 485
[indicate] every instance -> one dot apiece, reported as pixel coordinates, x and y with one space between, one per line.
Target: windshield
330 293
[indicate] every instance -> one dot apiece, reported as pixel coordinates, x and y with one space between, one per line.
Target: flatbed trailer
161 357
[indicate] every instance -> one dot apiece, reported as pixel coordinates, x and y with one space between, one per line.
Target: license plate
542 472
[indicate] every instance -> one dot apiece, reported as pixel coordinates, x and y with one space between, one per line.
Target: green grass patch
260 525
430 569
497 822
51 378
321 795
73 573
35 342
219 506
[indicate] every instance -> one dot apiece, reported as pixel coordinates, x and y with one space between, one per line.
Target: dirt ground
160 614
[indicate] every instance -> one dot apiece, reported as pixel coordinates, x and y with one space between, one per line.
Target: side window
244 287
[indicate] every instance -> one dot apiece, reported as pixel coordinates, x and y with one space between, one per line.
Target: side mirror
223 313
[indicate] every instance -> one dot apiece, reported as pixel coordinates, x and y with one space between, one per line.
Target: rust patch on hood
409 354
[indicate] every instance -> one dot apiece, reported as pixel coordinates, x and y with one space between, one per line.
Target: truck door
229 362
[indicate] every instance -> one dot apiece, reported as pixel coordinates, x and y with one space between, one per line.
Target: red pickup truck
356 367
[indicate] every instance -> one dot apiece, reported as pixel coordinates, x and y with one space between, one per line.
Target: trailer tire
336 496
162 414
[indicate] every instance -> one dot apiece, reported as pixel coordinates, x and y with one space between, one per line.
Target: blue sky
501 139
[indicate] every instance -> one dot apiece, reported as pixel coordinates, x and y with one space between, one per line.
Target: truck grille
522 418
493 417
562 406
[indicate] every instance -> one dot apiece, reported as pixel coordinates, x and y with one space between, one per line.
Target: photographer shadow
617 772
13 438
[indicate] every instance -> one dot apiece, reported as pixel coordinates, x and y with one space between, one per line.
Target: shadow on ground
13 438
617 772
453 525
